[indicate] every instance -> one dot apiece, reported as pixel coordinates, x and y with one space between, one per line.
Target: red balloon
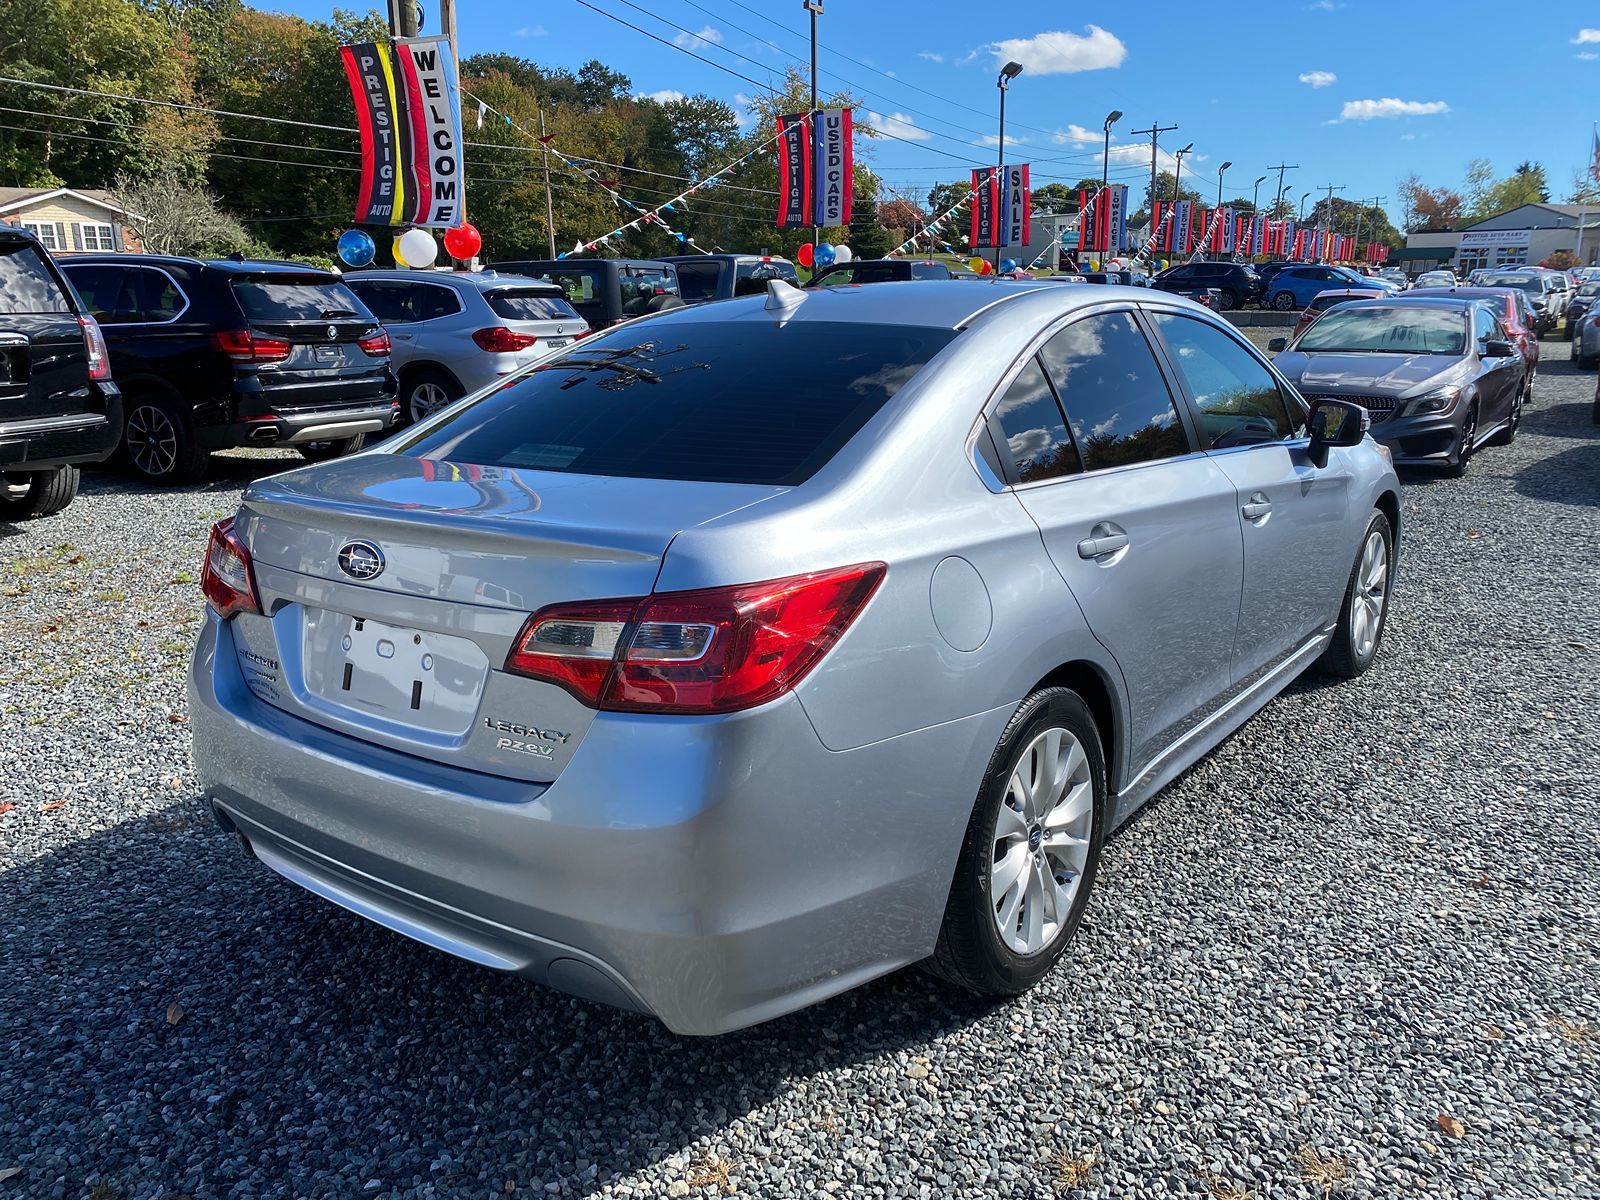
463 241
806 254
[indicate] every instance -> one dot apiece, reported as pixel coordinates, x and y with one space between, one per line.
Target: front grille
1379 408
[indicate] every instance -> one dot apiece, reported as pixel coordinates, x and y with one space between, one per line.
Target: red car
1511 306
1323 301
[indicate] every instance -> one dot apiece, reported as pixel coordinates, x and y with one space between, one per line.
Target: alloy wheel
1371 594
1041 841
427 398
152 441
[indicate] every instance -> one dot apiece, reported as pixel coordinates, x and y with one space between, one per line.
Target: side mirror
1495 348
1277 345
1335 423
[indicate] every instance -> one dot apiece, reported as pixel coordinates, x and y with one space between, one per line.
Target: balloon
394 249
977 264
417 248
1008 264
464 241
985 267
1094 264
356 248
803 255
843 254
823 256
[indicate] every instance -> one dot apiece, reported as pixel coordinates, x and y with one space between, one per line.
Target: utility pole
1280 169
549 203
1360 216
1332 187
1155 131
403 18
814 7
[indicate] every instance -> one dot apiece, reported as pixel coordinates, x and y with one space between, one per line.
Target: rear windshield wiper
339 312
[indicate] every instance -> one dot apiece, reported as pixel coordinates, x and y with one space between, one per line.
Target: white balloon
418 248
843 254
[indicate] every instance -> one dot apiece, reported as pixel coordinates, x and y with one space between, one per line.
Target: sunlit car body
1511 306
1585 294
1440 377
858 539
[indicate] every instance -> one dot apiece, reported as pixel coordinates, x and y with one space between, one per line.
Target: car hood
1395 375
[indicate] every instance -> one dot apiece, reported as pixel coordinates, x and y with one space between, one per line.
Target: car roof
249 266
1407 300
733 258
919 303
1471 293
478 279
557 263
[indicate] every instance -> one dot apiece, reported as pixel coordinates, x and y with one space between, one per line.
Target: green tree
868 237
1163 192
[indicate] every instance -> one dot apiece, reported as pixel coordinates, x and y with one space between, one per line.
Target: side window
1030 431
1117 403
156 298
1238 398
433 301
387 301
99 287
929 271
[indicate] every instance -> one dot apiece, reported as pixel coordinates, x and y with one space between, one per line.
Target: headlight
1438 401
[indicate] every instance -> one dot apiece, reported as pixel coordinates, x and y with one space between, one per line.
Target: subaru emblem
361 560
333 332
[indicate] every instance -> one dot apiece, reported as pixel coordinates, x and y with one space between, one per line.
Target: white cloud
1076 135
531 31
1133 154
930 55
1587 56
991 139
664 96
1319 79
1322 6
895 125
1369 110
1408 137
1059 53
708 36
1586 37
744 113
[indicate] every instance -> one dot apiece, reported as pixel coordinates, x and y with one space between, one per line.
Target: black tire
1227 299
970 952
326 451
1585 362
1345 657
1463 459
1283 302
158 440
431 382
48 493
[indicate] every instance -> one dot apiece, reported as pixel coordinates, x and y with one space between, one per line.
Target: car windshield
1527 283
1390 330
294 298
715 401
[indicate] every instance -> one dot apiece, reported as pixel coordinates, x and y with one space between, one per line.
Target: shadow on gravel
315 1052
1562 420
226 472
1571 477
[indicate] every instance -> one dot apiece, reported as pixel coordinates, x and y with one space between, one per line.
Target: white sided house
69 220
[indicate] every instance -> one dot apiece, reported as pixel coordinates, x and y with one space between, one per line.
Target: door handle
1258 507
1097 547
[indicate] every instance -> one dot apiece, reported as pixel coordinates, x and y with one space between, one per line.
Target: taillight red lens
376 344
227 578
715 650
242 345
95 343
500 340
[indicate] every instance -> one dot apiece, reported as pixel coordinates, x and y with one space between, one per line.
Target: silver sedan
736 657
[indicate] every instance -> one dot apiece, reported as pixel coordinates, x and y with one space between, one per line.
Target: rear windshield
1387 331
699 280
288 298
1527 283
529 304
722 402
26 285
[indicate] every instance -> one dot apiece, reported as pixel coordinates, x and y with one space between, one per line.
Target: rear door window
529 304
26 284
155 297
100 285
1030 430
684 402
390 300
290 298
434 300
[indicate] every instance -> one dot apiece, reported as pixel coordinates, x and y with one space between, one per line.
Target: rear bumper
714 872
44 443
292 429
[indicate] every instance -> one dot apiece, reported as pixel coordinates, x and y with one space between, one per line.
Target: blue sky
1357 93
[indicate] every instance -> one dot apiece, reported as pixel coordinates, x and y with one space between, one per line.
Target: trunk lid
319 318
410 655
44 360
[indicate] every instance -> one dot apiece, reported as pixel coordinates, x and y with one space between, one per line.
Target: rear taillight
95 343
711 651
500 340
242 345
227 579
375 344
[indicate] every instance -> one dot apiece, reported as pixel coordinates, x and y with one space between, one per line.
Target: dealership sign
1497 237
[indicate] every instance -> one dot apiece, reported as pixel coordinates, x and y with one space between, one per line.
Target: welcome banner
408 113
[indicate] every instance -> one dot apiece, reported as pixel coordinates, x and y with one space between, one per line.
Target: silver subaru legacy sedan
747 652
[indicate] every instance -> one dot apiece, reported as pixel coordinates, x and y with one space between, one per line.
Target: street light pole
1101 231
814 7
1007 73
1222 170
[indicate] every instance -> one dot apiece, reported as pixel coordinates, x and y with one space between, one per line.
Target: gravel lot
1356 952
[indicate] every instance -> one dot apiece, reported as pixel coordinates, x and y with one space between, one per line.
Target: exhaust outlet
267 433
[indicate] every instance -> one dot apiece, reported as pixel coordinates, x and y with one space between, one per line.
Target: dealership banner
833 169
1173 223
386 182
1286 236
1015 199
1117 219
1103 219
433 101
985 206
1090 206
1299 244
794 171
408 114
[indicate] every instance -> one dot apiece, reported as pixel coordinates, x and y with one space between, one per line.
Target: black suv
879 270
219 353
606 290
58 406
1237 284
704 277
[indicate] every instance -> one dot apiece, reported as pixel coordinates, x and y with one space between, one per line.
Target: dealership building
1522 237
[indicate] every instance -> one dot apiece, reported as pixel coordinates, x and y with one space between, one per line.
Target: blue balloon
356 248
1008 264
824 256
